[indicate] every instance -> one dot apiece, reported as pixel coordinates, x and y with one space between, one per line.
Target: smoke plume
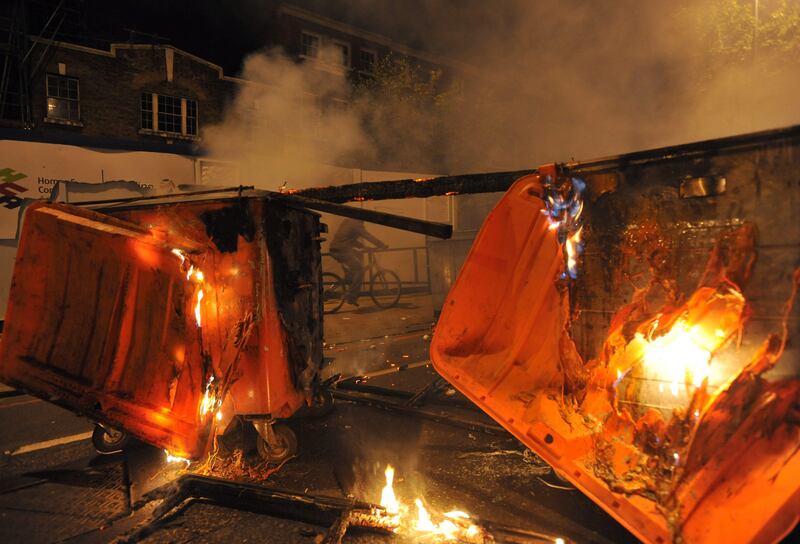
527 82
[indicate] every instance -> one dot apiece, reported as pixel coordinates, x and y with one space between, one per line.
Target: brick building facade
159 97
147 93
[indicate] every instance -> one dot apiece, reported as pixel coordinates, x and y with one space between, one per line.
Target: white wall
42 163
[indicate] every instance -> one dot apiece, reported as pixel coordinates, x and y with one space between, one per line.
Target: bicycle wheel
332 292
384 288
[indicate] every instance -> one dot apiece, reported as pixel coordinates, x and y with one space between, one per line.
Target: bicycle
385 287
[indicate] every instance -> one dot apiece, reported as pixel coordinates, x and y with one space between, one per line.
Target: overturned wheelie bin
173 319
169 320
656 372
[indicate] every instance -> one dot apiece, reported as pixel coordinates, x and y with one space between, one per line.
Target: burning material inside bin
655 426
668 444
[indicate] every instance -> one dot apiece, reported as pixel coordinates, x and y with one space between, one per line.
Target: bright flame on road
176 459
388 498
455 527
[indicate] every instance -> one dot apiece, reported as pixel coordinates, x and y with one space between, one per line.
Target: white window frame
302 47
76 101
184 117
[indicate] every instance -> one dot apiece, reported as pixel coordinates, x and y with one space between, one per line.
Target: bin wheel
322 403
283 447
107 440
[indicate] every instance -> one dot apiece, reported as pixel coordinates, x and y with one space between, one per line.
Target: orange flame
209 401
180 254
678 356
197 316
176 458
388 498
455 527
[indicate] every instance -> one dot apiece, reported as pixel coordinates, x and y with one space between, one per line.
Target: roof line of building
433 58
114 47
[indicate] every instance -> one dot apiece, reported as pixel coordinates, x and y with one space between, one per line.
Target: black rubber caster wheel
107 440
282 447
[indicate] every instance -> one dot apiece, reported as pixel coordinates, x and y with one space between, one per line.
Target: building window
309 45
342 57
191 117
367 59
63 98
171 114
147 111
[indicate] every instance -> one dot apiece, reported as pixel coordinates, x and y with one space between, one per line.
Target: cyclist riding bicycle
345 249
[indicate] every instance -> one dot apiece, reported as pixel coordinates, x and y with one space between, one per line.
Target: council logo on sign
9 190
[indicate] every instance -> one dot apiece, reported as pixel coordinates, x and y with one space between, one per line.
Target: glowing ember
176 459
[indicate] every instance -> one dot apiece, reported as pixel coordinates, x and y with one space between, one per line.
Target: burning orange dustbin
722 466
169 319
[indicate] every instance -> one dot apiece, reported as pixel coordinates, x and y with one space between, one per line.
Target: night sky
224 32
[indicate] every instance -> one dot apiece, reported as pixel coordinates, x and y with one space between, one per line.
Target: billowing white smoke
551 80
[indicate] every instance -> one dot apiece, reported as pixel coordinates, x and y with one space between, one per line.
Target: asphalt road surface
54 488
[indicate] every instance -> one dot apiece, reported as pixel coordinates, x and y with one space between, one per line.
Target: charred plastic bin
663 382
169 320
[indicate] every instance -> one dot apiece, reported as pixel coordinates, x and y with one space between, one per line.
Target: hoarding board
34 170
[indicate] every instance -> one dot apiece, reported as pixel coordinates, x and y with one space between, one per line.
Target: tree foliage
735 31
404 108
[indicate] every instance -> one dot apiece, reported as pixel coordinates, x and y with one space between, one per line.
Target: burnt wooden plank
416 188
500 181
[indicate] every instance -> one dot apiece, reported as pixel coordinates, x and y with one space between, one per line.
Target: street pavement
54 488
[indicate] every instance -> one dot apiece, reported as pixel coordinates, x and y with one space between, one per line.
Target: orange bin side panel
243 267
502 341
105 314
100 320
504 310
